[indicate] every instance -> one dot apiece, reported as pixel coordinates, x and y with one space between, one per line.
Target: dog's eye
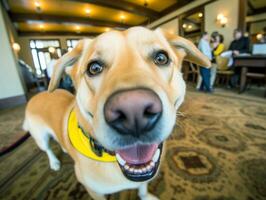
161 58
95 68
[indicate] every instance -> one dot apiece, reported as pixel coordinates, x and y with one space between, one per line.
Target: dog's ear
66 60
184 46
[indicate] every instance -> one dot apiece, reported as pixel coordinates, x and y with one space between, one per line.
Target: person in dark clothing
240 44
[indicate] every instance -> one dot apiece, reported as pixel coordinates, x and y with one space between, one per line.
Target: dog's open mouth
140 162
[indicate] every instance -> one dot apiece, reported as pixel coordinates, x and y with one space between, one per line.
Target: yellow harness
85 144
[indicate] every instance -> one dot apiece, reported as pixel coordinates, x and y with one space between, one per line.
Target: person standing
205 48
217 48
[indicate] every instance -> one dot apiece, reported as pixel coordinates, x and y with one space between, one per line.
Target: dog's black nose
133 112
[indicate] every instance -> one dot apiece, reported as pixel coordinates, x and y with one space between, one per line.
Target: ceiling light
146 3
107 29
184 26
122 18
41 26
200 15
189 26
77 29
259 36
88 11
51 50
38 6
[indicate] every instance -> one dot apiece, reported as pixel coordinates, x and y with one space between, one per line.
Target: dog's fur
128 65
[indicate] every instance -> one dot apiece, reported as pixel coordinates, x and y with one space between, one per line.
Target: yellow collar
84 144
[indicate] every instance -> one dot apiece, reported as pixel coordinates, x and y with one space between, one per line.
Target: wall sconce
16 47
221 20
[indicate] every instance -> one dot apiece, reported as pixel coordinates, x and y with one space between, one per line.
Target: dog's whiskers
180 114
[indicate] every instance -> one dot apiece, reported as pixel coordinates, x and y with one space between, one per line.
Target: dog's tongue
138 154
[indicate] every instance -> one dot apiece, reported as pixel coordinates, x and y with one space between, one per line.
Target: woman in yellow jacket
218 47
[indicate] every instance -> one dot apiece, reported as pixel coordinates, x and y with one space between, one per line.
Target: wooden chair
191 70
223 72
254 75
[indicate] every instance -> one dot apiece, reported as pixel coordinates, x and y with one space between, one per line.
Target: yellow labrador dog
128 89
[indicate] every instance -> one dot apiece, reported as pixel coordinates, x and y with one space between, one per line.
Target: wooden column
242 15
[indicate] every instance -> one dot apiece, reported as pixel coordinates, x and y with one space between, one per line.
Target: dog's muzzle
134 113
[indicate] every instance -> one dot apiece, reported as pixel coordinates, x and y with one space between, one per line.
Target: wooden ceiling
256 7
87 17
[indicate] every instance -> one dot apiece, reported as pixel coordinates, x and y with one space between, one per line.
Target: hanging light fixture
38 6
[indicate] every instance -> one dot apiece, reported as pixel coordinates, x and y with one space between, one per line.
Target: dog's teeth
135 171
156 156
144 169
131 169
120 160
152 164
126 167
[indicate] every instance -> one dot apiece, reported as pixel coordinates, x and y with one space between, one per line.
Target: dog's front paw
55 165
149 196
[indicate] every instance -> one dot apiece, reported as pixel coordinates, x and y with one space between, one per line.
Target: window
71 43
41 55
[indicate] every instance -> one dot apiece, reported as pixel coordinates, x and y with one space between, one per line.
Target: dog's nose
133 112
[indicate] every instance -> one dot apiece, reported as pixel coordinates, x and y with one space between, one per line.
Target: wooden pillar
242 15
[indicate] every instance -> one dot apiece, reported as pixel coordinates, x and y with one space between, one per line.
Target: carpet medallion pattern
217 151
10 126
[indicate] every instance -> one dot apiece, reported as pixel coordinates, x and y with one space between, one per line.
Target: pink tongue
138 154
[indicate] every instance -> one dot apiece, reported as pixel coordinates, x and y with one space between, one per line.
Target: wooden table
246 62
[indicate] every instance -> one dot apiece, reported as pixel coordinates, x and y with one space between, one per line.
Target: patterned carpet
217 152
10 127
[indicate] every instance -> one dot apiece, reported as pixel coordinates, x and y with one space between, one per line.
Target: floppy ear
192 53
66 60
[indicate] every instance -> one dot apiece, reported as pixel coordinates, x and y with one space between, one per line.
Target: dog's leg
144 194
54 162
42 139
44 145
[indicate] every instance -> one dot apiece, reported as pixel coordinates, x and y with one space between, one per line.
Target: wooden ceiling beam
56 33
192 21
124 6
179 4
251 7
19 17
175 6
259 10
